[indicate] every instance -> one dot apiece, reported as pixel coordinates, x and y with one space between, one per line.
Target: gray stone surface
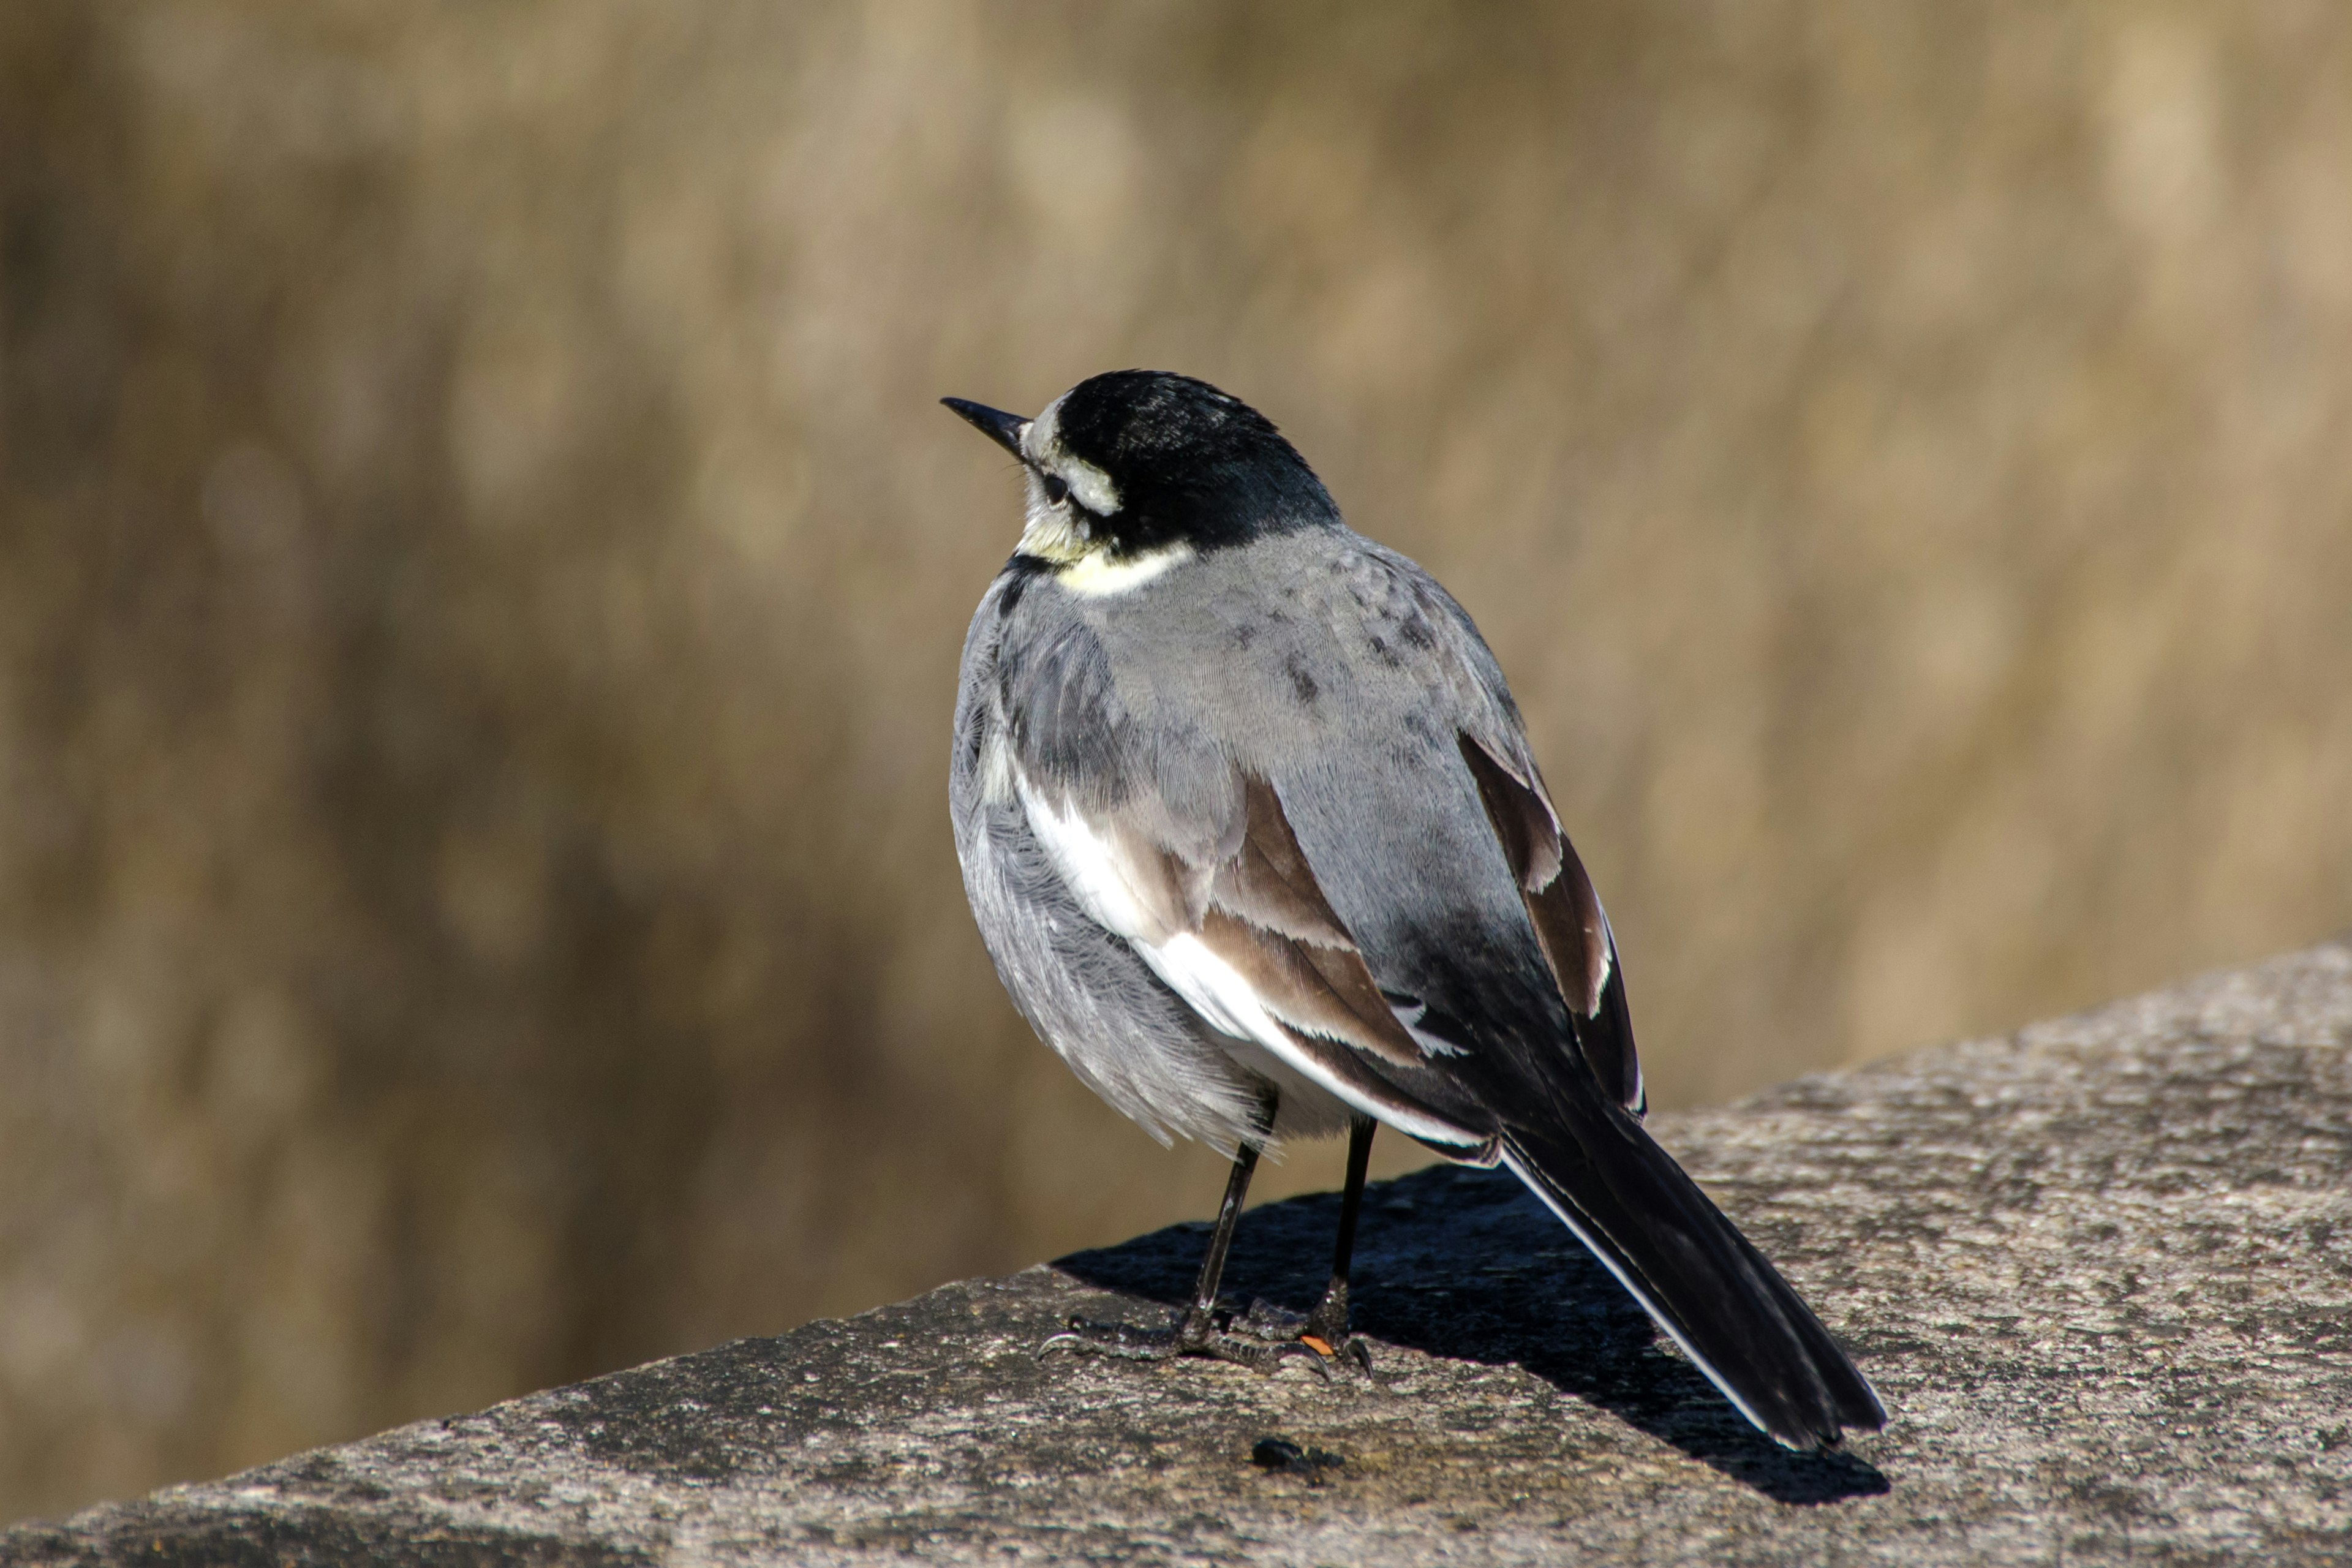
2099 1270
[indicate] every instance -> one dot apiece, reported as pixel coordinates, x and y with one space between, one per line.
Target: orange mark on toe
1319 1346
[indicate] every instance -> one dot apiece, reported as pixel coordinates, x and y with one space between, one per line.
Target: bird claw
1324 1331
1124 1341
1348 1354
1351 1354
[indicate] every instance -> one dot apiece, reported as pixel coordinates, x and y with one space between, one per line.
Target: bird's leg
1200 1329
1327 1325
1325 1330
1200 1318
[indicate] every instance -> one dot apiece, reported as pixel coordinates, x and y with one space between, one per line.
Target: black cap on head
1191 464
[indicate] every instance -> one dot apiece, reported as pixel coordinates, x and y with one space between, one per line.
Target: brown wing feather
1566 914
1259 908
1268 882
1270 919
1296 989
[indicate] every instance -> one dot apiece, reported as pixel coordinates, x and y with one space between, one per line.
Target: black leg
1328 1322
1221 1239
1199 1329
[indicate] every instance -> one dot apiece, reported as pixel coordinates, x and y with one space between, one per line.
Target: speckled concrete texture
2099 1271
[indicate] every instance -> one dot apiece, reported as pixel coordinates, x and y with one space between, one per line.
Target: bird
1253 831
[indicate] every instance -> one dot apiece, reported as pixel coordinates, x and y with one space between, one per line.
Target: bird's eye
1057 490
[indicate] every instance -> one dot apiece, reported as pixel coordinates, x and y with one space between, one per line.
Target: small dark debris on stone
1283 1455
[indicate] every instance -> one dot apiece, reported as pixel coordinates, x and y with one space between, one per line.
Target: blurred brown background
481 572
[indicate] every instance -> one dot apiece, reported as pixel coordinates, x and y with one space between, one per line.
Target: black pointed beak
999 426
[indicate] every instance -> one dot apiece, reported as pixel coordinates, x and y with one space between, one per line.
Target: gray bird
1251 827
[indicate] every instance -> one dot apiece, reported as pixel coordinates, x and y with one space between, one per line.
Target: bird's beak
999 426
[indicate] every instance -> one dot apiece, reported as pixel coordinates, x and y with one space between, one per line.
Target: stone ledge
2098 1270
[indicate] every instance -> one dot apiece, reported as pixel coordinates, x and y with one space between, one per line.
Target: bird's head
1141 466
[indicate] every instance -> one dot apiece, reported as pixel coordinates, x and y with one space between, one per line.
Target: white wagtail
1251 829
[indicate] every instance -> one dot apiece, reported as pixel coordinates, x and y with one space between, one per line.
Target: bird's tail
1689 1267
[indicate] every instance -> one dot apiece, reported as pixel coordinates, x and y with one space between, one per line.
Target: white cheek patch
1094 577
1089 484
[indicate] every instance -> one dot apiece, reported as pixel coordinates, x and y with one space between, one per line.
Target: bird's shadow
1463 1264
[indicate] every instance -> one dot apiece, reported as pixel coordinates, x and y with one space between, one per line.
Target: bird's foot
1214 1334
1323 1330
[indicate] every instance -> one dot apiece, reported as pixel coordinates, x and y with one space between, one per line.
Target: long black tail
1689 1267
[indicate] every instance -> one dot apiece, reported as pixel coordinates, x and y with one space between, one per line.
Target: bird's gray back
1346 677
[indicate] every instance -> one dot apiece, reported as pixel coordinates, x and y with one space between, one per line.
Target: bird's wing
1470 711
1246 937
1569 921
